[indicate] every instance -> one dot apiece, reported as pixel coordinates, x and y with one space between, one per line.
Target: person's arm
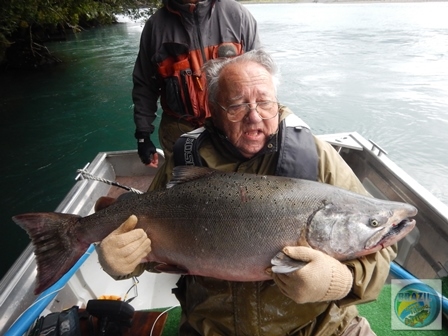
369 272
369 275
334 170
250 31
145 94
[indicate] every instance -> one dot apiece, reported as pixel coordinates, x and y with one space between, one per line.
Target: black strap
297 153
186 148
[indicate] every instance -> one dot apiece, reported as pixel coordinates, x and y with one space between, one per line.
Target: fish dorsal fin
182 174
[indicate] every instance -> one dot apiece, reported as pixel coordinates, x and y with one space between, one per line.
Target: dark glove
146 149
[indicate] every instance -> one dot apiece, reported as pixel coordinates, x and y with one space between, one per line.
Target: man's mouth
252 133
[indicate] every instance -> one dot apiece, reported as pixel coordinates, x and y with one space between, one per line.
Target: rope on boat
85 174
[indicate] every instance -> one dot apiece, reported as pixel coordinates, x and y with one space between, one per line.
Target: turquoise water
57 120
379 69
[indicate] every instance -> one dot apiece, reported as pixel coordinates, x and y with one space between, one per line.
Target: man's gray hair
214 67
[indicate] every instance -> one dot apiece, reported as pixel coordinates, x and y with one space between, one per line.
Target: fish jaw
396 228
388 236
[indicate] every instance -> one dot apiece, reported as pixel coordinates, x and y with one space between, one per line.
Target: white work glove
123 249
323 278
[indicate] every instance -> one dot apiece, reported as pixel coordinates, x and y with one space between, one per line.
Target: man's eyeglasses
266 109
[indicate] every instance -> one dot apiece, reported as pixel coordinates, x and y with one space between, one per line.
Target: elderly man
249 131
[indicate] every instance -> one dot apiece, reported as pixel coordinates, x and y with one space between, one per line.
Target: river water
380 69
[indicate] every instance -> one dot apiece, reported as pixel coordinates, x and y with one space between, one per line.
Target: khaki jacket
216 307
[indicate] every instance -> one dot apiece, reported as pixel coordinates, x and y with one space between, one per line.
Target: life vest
297 150
184 92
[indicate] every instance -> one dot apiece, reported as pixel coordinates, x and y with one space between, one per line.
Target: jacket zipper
183 75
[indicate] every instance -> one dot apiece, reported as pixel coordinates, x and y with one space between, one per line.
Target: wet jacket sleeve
145 92
369 272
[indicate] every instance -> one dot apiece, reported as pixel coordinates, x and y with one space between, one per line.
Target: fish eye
374 222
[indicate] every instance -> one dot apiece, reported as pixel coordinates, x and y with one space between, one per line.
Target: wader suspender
297 149
186 148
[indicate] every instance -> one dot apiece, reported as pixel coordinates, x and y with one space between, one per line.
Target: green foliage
19 14
29 20
137 9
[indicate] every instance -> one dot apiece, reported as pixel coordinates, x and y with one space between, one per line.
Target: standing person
176 41
249 131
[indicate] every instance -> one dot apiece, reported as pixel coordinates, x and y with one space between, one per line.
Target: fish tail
54 245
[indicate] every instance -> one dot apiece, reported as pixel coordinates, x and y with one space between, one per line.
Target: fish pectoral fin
173 269
282 263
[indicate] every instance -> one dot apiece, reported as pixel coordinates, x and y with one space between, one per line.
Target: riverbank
247 2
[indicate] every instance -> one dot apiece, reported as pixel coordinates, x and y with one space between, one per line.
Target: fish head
351 230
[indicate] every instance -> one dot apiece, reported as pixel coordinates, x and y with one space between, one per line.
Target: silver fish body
229 225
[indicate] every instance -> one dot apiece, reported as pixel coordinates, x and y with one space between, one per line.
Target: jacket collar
202 8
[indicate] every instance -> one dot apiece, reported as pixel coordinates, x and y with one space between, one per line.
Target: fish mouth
393 235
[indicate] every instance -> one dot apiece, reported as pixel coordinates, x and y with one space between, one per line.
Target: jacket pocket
173 97
179 87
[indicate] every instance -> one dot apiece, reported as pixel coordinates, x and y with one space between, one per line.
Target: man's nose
253 115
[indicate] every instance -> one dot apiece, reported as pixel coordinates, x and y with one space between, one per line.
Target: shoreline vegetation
249 2
26 25
23 33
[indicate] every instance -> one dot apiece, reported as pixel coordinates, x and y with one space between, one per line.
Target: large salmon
225 225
